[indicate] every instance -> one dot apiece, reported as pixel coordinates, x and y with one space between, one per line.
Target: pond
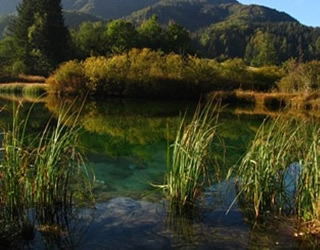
125 142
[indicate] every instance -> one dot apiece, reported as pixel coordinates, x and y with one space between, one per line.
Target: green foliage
151 33
42 172
280 170
261 50
188 169
40 35
220 29
118 36
90 40
8 65
122 36
177 38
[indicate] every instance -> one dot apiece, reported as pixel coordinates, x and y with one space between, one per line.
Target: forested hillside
107 9
260 43
220 29
195 14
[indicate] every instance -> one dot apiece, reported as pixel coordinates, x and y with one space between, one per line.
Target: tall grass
188 167
281 169
43 171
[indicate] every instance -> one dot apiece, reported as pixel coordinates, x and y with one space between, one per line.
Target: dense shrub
300 77
147 73
68 78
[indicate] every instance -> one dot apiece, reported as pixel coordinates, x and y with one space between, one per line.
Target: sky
305 11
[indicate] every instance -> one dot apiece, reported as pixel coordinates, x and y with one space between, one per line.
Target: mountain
107 9
75 18
228 29
220 29
197 14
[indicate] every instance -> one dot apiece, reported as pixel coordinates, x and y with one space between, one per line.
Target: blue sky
305 11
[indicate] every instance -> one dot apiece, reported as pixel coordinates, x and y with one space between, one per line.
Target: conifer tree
41 36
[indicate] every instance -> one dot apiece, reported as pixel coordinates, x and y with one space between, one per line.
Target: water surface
126 141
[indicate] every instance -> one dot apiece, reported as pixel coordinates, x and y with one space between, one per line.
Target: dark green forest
42 35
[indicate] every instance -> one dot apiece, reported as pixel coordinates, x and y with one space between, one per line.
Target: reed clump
187 166
281 170
43 173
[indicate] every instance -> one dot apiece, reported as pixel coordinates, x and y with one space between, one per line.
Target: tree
261 50
121 35
20 29
8 65
317 48
42 38
178 39
151 34
90 40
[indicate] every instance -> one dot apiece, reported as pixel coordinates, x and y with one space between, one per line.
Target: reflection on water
126 143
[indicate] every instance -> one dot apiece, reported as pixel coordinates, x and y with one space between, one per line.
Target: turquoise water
125 142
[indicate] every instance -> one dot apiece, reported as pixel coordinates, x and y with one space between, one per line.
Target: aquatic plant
280 171
187 157
42 172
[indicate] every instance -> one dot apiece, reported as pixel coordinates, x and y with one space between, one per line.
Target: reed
187 157
281 170
43 172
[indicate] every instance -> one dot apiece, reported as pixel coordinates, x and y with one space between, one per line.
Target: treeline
39 41
118 36
147 73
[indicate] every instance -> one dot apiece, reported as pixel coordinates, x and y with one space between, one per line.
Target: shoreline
261 102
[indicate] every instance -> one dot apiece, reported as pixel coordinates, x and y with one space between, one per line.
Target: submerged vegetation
42 173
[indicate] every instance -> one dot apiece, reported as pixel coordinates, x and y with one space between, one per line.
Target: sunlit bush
69 78
106 75
148 73
301 77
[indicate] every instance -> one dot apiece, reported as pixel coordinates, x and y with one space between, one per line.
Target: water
125 141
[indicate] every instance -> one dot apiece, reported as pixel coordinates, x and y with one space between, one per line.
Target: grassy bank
271 101
23 89
22 79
